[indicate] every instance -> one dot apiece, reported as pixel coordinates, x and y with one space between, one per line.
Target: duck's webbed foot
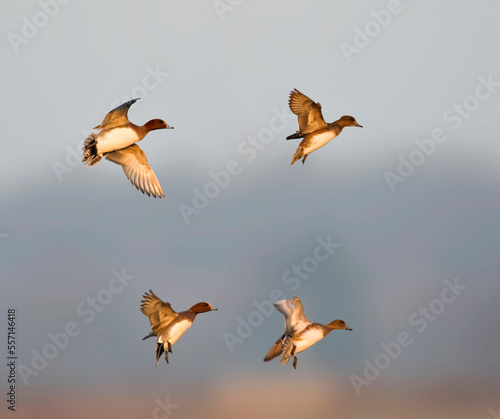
169 347
294 357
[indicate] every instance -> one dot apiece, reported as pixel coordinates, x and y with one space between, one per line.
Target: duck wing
286 308
299 321
295 320
135 165
308 112
117 117
160 313
275 350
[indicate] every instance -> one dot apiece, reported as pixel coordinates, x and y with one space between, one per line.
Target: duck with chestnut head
300 333
116 141
166 324
312 127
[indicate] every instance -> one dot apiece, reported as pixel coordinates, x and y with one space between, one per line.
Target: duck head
156 124
348 121
202 308
338 324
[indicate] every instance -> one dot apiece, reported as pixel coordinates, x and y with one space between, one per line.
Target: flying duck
300 333
312 127
167 325
116 141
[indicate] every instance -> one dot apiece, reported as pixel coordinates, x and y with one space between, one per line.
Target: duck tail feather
275 350
90 155
298 155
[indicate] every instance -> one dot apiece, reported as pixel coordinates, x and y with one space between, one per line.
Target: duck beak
169 127
347 328
357 125
215 309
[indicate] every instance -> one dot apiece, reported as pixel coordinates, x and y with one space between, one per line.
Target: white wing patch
176 331
308 338
115 139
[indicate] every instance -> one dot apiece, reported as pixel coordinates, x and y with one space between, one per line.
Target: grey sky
224 85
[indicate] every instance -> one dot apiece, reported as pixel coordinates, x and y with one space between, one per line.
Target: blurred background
414 237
